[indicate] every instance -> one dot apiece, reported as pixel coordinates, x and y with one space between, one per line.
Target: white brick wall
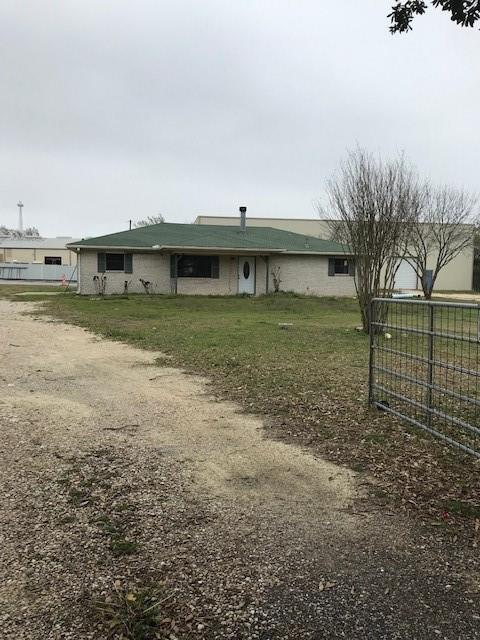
302 274
261 279
155 268
148 266
309 275
225 285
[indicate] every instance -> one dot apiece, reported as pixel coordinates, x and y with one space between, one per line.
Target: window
115 262
341 267
196 266
52 260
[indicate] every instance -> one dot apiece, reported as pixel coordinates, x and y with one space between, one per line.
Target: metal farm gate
424 367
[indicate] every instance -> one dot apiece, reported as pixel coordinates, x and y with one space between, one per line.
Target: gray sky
119 109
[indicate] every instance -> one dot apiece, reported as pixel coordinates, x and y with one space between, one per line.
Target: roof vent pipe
243 219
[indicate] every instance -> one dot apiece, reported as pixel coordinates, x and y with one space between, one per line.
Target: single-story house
212 260
457 275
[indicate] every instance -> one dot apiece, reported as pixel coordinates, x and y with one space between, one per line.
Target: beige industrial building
456 276
306 226
46 251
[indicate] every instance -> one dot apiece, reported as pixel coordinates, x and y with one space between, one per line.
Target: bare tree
371 203
443 228
32 232
150 220
275 272
15 233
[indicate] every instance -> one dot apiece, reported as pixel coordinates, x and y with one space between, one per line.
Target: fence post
431 329
371 320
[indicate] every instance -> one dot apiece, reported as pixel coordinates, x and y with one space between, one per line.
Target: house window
341 267
115 262
197 266
52 260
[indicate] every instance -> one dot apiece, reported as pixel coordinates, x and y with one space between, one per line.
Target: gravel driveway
134 505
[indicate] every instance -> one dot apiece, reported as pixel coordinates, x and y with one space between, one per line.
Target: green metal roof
169 236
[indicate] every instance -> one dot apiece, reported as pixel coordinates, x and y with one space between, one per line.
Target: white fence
28 271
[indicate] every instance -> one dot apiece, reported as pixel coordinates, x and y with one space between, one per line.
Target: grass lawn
309 380
10 290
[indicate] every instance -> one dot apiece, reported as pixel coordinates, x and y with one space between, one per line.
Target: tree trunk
428 290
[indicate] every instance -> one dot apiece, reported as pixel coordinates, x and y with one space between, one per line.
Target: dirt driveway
135 505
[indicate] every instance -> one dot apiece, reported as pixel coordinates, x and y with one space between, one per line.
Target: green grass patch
376 438
108 526
122 547
67 520
12 290
463 509
79 497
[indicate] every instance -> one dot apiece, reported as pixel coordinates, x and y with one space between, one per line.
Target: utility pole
20 216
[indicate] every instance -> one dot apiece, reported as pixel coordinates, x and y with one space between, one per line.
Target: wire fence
424 359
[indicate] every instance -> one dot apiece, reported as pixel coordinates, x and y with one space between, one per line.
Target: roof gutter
227 250
177 248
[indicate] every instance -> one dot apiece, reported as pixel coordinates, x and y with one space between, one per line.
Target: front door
246 275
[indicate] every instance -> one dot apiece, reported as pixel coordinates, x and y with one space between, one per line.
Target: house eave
219 250
178 249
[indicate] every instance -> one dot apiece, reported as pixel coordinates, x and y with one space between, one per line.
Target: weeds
376 438
134 615
464 509
121 547
85 483
79 497
108 526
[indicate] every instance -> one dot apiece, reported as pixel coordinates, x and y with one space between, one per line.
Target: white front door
246 275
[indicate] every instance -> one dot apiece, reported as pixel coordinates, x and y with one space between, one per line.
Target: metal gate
424 367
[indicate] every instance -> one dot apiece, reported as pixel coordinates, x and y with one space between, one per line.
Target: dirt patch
128 490
95 386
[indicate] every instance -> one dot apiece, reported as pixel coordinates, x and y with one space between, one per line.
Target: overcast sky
120 109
